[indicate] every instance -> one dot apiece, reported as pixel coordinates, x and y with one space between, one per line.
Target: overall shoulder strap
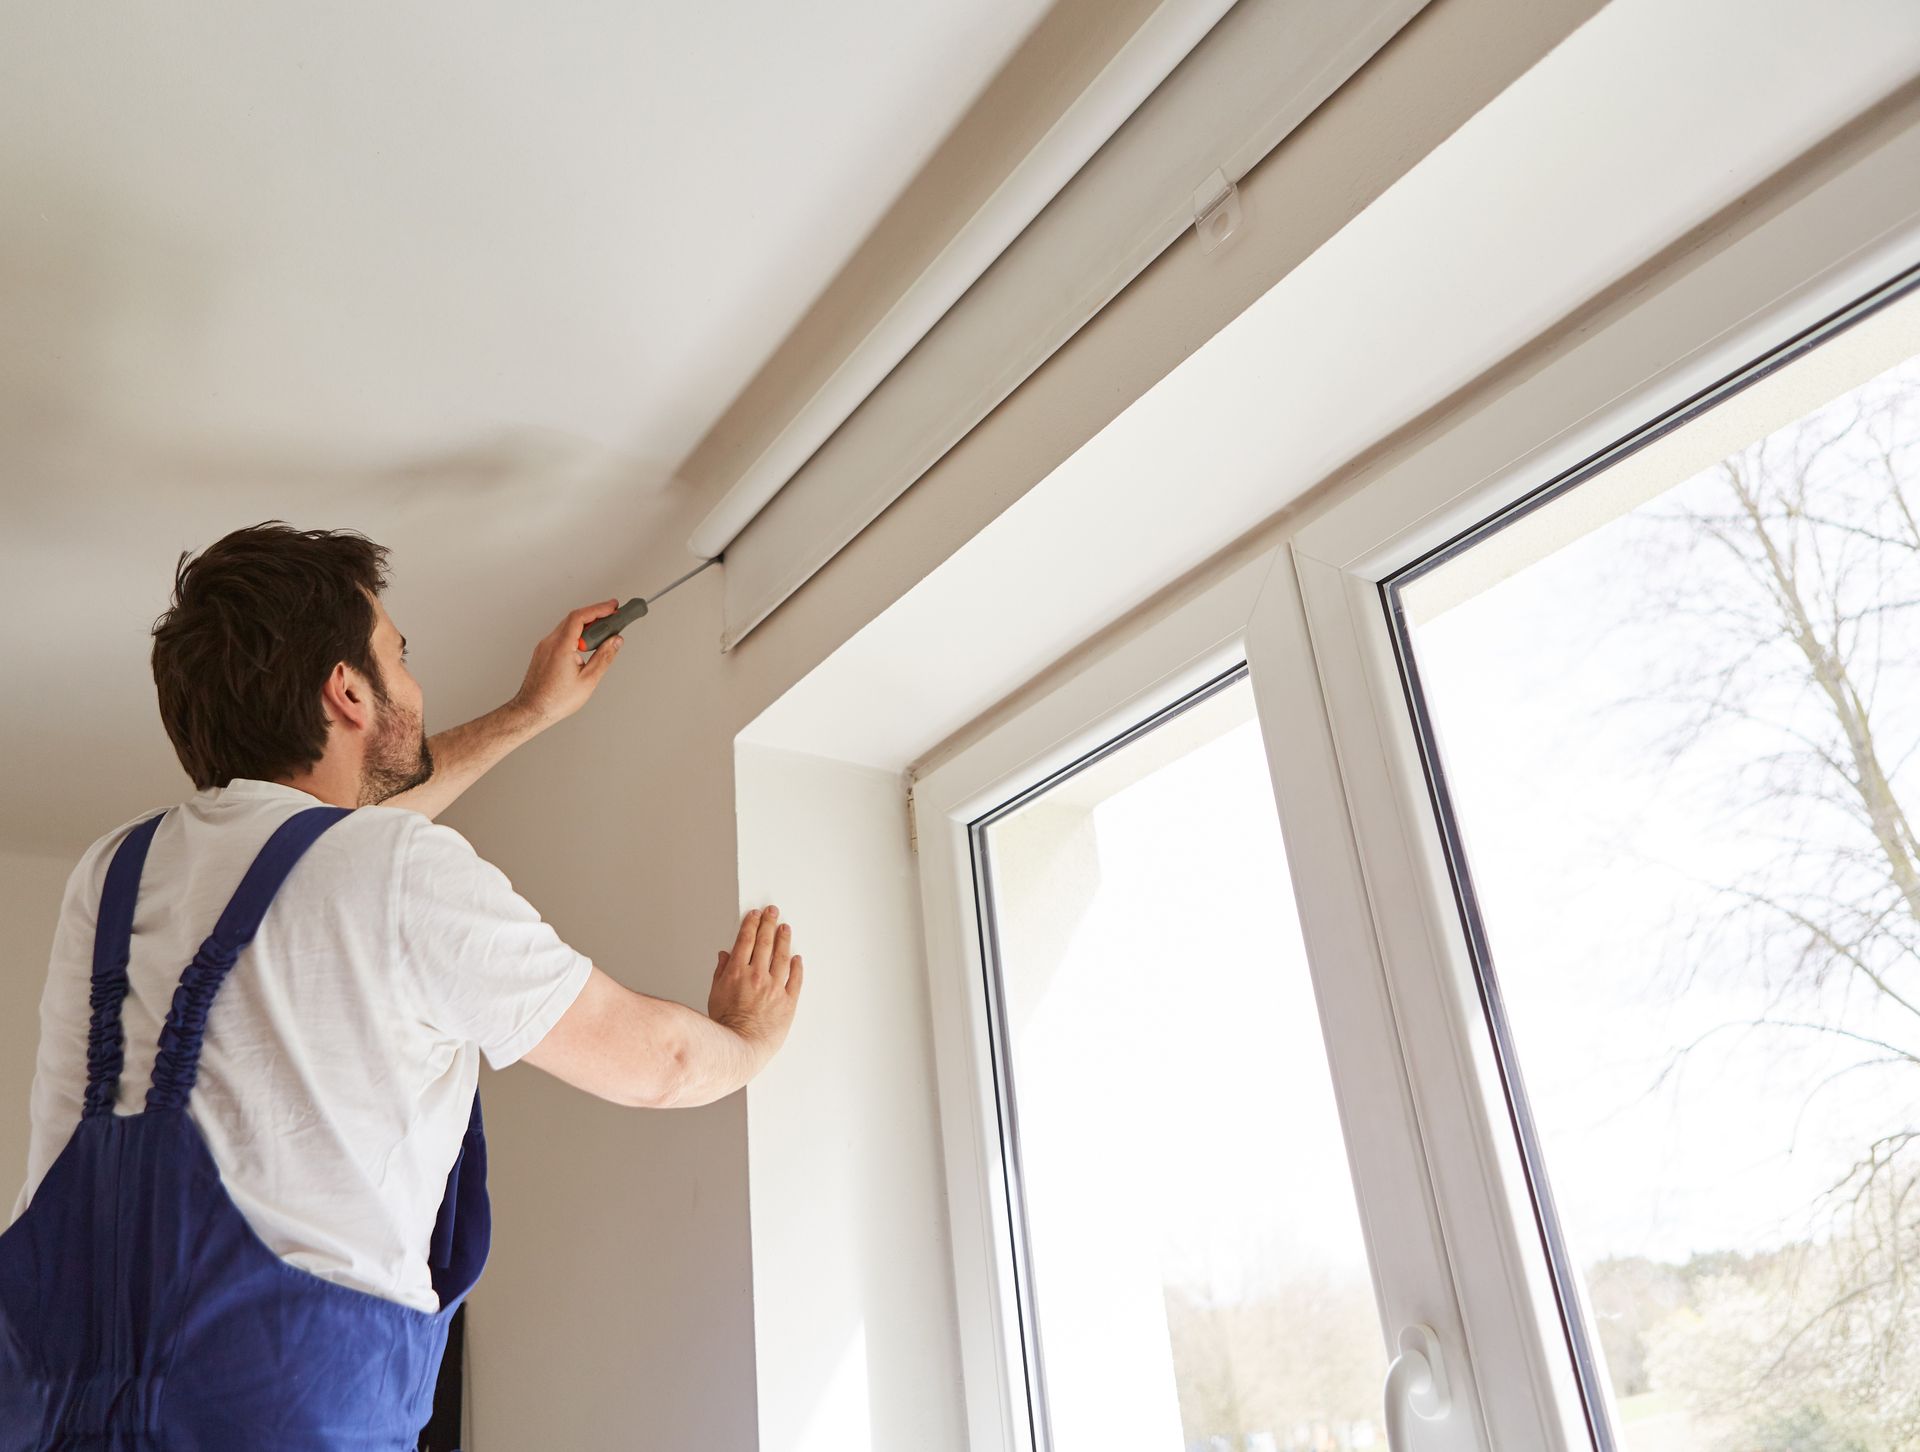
112 947
178 1063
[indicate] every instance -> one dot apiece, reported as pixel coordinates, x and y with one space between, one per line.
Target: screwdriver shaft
610 625
684 578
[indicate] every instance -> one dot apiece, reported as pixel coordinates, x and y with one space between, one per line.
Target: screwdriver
613 624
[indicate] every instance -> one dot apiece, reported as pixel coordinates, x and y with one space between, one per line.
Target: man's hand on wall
756 987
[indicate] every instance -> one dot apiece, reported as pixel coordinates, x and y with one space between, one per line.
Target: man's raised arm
653 1053
557 684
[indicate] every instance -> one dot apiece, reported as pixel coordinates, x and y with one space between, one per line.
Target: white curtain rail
1116 93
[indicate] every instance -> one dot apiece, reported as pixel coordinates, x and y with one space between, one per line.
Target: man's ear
348 697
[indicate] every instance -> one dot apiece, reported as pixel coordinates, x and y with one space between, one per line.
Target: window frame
1445 1205
1837 232
1096 704
1019 1246
1194 644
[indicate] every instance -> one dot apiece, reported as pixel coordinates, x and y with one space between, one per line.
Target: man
256 1185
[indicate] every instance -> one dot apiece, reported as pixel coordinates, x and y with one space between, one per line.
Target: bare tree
1795 566
1303 1351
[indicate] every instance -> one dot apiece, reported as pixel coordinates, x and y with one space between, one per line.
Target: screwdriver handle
613 624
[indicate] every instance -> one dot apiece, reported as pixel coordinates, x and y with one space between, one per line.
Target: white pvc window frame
1445 1204
1179 655
1846 233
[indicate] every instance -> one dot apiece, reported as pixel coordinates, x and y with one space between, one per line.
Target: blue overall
139 1312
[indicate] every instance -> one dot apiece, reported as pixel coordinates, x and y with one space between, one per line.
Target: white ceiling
472 279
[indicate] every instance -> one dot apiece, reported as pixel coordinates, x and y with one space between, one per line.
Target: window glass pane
1677 714
1197 1271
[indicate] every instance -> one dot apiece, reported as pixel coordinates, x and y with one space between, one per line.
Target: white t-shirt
341 1055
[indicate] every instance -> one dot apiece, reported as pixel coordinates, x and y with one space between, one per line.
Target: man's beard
397 758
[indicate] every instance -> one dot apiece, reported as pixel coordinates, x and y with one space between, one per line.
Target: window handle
1416 1386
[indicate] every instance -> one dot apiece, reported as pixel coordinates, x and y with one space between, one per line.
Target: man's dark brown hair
256 626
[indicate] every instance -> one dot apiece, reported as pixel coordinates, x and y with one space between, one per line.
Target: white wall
616 1308
852 1263
31 884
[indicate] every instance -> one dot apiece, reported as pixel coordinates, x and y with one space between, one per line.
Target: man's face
397 757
